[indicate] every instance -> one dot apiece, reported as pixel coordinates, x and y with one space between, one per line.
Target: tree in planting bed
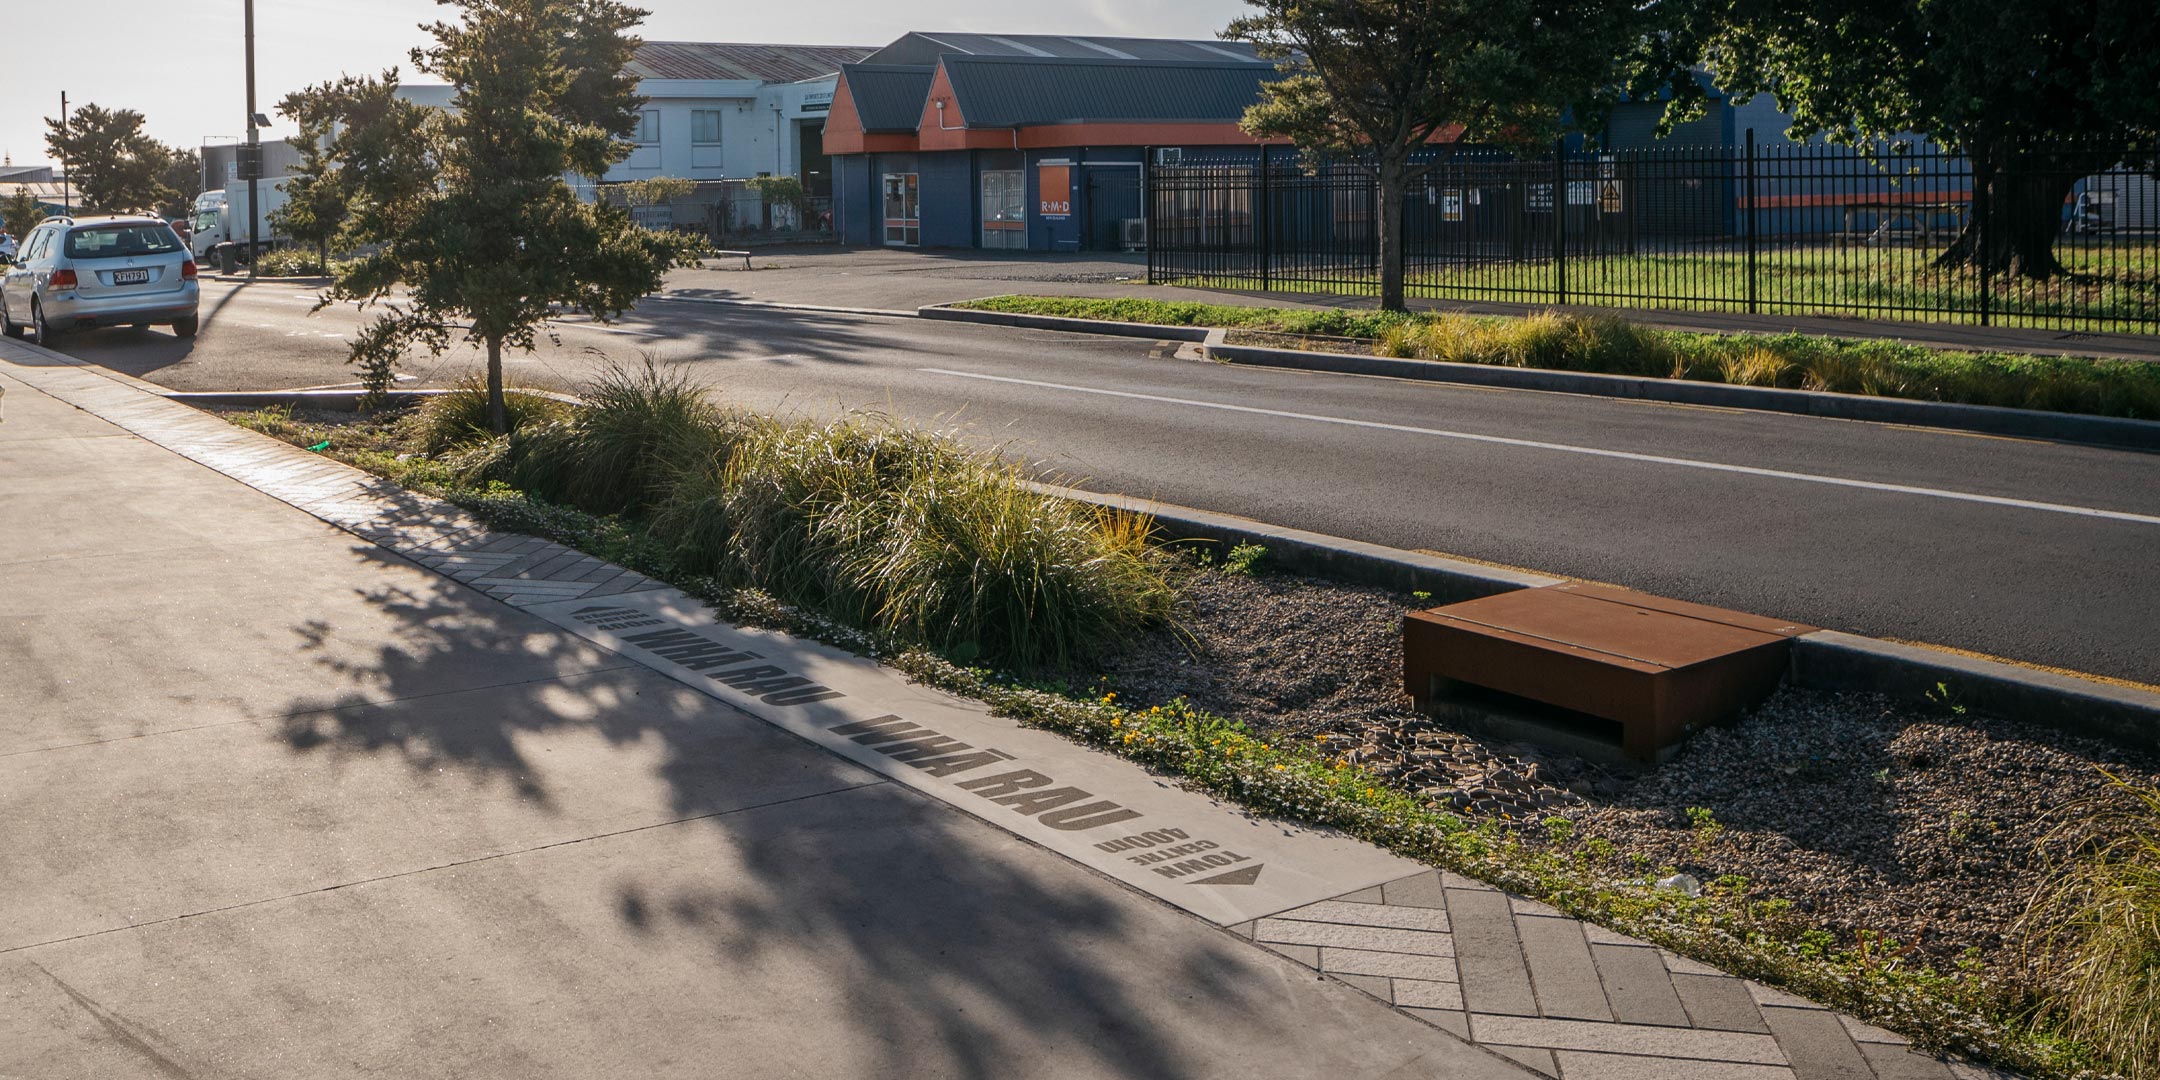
1378 82
498 242
111 162
2037 95
20 213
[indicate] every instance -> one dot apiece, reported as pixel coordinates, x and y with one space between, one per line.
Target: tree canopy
363 150
20 212
1378 81
111 161
2038 95
498 241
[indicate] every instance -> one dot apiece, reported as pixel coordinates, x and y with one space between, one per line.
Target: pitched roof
1014 91
920 48
888 97
722 60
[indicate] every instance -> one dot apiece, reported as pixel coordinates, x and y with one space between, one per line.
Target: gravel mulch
1927 825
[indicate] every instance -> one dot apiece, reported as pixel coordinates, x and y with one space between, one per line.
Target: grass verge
795 526
1610 346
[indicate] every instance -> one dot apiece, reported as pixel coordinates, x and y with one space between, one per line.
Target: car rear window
114 241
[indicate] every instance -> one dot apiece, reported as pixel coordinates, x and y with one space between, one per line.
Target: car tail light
187 270
62 279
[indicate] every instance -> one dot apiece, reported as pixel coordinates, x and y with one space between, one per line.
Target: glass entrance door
1004 209
903 210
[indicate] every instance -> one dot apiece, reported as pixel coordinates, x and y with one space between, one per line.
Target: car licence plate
131 277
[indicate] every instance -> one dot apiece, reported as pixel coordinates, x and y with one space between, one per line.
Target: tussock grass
898 529
1606 345
460 418
911 532
641 427
2096 934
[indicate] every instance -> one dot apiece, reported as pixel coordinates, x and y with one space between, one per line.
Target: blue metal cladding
947 186
855 195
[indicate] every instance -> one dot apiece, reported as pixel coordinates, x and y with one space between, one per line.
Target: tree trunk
2016 214
498 413
1394 191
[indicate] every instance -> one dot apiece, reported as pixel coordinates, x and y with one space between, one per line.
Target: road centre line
1589 451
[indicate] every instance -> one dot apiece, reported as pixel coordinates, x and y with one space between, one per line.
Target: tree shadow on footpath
949 948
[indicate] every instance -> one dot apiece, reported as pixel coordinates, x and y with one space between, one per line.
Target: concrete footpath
305 775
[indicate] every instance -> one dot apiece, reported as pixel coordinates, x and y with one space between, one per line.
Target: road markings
1588 451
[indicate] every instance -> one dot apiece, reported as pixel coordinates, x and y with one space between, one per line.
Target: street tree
1395 86
2036 95
21 212
489 250
110 160
363 150
182 176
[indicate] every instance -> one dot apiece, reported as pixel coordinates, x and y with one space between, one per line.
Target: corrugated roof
888 97
1005 92
926 47
721 60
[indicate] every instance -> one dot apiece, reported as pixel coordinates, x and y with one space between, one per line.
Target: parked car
100 271
7 245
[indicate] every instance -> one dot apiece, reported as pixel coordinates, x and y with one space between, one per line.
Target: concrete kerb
2023 423
1448 580
1823 660
774 305
329 400
1076 326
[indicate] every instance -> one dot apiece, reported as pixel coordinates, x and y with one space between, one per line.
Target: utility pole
253 163
67 201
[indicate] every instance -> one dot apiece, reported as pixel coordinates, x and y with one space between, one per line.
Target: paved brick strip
1564 998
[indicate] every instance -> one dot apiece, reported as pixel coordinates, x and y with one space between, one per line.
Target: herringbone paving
1567 999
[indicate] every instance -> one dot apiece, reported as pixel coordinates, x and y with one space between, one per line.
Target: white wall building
721 111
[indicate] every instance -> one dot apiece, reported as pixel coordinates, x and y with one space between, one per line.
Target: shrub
910 532
291 262
459 418
2096 931
641 428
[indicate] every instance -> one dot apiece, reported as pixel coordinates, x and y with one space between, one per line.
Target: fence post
1983 208
1559 214
1148 191
1749 203
1265 233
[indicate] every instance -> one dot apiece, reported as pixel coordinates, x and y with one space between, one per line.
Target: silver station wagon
72 273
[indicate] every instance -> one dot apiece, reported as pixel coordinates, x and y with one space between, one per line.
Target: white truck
222 217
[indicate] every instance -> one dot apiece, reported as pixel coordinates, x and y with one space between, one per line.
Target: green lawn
2110 290
2124 388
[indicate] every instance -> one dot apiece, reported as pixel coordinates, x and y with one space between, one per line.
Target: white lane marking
611 330
1591 451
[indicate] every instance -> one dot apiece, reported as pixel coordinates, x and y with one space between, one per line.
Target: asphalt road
2042 552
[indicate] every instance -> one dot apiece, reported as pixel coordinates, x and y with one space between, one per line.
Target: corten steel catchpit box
1658 668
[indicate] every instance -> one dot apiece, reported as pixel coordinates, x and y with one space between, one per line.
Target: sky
182 66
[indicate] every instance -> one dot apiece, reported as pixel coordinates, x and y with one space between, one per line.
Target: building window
903 210
648 127
1004 209
705 127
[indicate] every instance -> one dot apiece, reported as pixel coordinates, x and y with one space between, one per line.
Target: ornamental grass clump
912 533
641 428
459 417
2096 938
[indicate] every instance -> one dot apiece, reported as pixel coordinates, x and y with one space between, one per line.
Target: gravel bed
1928 825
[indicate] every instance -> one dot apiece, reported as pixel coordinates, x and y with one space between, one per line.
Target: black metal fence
1777 229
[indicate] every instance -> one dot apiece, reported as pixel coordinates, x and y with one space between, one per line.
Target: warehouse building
1034 142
